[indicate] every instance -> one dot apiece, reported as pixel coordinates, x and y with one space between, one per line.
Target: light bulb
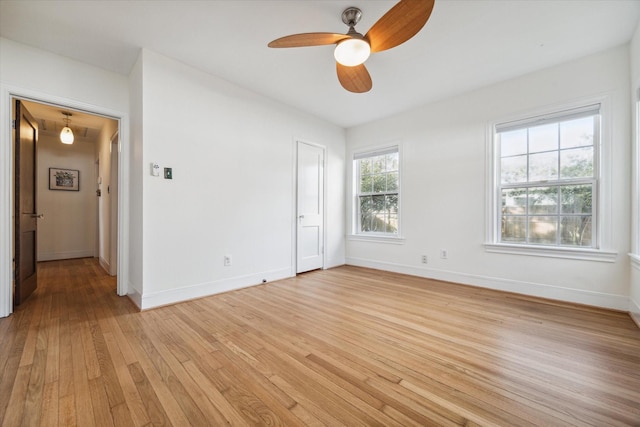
66 136
352 52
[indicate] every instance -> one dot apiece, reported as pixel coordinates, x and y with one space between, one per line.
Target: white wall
634 292
232 192
444 178
68 229
31 73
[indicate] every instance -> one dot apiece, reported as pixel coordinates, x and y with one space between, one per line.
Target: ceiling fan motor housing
351 16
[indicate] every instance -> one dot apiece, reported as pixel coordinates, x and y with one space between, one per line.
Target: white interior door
310 212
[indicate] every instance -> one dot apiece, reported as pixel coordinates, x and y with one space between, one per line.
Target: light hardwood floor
347 346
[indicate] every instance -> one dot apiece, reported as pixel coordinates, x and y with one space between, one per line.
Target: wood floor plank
347 346
49 416
132 398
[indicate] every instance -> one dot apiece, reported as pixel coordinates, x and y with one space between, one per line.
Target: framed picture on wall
64 179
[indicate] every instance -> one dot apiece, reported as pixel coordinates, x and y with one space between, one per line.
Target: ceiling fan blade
308 39
399 24
354 79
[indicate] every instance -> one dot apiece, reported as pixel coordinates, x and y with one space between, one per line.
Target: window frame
601 208
356 230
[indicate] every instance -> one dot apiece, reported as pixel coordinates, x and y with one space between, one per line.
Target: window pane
392 181
378 164
513 142
392 203
366 214
576 163
514 201
378 203
378 220
513 169
576 230
543 138
392 224
392 162
577 199
543 166
365 166
576 133
543 230
543 200
514 229
366 183
379 183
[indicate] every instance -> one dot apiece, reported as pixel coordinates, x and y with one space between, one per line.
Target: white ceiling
466 44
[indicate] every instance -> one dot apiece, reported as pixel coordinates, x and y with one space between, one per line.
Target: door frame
7 94
294 212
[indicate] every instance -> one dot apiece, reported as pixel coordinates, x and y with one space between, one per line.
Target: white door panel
310 211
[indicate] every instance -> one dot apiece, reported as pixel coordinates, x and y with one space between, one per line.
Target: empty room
394 213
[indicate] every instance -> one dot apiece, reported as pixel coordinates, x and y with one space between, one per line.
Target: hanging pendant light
66 135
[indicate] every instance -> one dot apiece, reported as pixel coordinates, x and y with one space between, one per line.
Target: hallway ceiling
466 44
86 127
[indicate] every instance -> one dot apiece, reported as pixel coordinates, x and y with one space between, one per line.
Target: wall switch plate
227 260
168 173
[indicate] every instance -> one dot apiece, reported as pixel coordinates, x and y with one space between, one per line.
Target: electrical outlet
424 259
443 253
227 260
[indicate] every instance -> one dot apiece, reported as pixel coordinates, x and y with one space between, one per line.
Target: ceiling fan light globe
352 52
66 136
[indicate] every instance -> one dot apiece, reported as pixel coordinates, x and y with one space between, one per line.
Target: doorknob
39 216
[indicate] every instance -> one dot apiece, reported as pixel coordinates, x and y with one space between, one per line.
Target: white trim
634 311
376 238
635 261
541 290
552 252
52 256
105 265
6 196
9 92
635 174
172 296
604 214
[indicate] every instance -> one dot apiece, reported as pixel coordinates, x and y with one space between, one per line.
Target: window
547 179
377 192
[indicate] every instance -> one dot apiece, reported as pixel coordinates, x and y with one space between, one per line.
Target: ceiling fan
398 25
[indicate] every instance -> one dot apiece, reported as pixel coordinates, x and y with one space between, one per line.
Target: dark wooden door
26 215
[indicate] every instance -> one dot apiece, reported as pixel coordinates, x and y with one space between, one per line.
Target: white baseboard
104 264
634 311
158 299
597 299
54 256
135 296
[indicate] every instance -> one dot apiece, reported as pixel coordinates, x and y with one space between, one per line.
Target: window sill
377 238
552 252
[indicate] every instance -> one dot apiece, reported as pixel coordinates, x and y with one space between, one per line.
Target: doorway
76 221
310 207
